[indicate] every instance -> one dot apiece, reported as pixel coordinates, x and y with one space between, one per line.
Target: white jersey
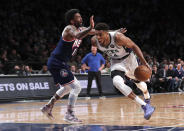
113 50
122 58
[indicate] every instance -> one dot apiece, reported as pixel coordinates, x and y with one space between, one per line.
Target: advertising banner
36 87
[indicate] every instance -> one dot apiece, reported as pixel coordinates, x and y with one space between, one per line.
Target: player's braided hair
69 15
102 26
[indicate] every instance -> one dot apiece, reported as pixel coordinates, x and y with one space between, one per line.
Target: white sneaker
71 118
180 90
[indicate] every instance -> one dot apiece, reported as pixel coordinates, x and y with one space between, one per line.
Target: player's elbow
135 47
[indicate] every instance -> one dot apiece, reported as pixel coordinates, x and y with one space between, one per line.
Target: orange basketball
142 73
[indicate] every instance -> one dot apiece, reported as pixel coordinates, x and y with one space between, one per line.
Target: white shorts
127 65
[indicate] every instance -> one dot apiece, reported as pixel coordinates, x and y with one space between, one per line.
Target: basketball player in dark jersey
57 64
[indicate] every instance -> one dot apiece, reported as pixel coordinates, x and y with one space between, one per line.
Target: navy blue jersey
63 52
57 63
65 49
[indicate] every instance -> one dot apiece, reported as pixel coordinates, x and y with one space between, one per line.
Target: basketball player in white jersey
121 50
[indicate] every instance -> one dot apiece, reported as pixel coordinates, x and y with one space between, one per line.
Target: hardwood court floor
119 111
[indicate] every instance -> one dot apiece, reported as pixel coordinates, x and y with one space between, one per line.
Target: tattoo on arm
72 32
83 33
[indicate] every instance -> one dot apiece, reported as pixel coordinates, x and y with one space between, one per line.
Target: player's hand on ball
142 73
147 65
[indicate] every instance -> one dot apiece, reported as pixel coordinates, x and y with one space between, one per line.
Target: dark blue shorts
60 72
62 76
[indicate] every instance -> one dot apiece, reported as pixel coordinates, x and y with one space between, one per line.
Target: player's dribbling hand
92 24
148 66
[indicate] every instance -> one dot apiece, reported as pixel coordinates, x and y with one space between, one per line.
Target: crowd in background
30 30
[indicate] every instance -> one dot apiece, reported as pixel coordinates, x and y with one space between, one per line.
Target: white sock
139 101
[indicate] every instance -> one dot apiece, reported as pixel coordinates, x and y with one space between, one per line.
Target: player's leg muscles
64 90
75 90
118 82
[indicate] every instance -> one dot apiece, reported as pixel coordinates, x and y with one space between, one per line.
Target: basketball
142 73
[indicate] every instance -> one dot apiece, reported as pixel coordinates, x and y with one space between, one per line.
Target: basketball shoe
47 110
71 118
148 101
148 111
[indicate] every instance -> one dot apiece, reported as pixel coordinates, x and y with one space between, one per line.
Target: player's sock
53 100
70 108
139 101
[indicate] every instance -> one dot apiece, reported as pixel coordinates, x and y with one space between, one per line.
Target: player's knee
76 88
121 86
63 91
117 80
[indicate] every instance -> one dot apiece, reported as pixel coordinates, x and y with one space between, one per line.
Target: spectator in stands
155 62
1 65
73 69
162 79
182 83
83 70
27 71
178 60
94 62
44 57
72 62
4 61
17 70
1 68
36 53
154 80
170 78
44 70
14 56
178 76
163 63
182 62
22 70
79 58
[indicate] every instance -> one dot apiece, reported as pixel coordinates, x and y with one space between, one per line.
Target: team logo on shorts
64 73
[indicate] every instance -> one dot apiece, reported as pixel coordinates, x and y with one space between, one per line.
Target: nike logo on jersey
111 52
75 46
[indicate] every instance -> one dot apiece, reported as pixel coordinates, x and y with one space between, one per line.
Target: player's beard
103 44
78 25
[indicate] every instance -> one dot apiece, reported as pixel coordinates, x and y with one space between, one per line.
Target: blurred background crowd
30 30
